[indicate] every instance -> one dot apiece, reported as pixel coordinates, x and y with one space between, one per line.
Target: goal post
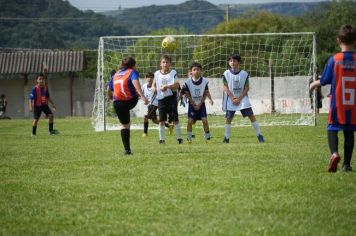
280 66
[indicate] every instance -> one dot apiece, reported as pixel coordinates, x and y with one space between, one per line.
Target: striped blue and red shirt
39 96
340 73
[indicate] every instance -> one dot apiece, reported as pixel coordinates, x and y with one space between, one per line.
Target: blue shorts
244 112
197 115
338 127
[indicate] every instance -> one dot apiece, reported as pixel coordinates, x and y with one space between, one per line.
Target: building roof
36 61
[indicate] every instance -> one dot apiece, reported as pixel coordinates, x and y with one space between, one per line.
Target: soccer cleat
33 135
260 138
189 141
334 161
52 132
180 141
193 135
226 140
170 129
127 152
347 168
162 142
144 135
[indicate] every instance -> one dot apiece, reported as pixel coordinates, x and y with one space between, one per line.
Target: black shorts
122 109
151 112
244 112
168 106
37 111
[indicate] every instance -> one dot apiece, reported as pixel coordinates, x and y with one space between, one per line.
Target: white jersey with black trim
196 90
164 79
151 97
236 84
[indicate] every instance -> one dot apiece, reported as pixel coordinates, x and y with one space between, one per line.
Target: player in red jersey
340 72
124 89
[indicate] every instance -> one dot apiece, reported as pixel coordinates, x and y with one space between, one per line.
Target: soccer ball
169 43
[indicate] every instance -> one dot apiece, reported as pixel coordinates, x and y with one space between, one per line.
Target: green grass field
79 183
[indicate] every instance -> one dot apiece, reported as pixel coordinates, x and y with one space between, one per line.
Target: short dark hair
347 34
149 75
166 57
235 57
195 64
127 62
39 75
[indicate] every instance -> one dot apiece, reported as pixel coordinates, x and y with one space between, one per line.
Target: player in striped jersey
235 98
196 90
38 103
340 72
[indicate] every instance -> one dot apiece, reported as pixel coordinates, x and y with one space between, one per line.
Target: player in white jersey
165 85
235 96
196 90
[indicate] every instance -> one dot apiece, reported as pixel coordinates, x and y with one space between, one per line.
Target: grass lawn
79 183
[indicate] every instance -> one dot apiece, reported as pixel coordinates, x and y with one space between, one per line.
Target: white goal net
280 66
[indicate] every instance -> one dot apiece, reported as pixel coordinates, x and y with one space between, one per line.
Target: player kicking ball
196 90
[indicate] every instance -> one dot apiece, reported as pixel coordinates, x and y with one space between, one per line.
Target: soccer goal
280 66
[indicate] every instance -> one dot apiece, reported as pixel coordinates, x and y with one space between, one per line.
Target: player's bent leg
34 127
207 135
189 130
178 132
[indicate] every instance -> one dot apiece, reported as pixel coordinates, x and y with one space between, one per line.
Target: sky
108 5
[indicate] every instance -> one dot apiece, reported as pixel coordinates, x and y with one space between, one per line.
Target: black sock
348 146
34 129
125 137
145 127
333 141
50 127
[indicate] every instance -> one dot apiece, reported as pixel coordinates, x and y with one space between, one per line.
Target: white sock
256 127
189 136
178 131
227 130
161 132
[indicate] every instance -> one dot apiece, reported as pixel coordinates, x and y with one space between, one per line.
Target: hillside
282 8
55 24
52 24
198 15
195 15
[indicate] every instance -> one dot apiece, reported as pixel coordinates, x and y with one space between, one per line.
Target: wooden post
71 80
26 111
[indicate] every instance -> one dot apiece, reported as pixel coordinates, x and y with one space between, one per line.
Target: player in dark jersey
124 89
340 72
38 103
